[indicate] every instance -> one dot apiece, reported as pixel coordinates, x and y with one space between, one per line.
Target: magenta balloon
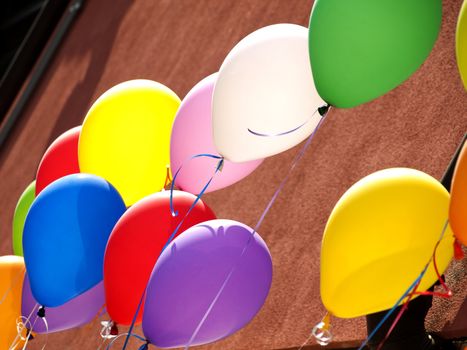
192 135
75 313
189 274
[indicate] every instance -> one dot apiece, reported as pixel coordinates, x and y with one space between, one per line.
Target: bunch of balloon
263 101
461 43
213 278
386 238
458 204
361 49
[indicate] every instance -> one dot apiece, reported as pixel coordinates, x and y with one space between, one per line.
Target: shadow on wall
98 39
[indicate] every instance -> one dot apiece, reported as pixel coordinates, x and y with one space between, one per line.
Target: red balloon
136 243
60 159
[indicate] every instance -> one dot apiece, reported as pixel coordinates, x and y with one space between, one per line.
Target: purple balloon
75 313
192 135
189 274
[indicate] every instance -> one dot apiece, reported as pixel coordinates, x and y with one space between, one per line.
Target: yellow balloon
379 237
126 137
461 43
11 285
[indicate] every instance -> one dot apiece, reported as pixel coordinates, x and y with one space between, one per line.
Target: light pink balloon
192 135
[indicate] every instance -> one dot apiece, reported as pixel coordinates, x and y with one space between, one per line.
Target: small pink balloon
192 135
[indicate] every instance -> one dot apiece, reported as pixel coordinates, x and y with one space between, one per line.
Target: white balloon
265 100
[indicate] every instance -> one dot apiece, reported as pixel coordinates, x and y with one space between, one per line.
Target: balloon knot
114 329
144 346
41 312
323 110
220 166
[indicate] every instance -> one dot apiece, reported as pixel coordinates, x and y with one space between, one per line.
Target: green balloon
361 49
21 211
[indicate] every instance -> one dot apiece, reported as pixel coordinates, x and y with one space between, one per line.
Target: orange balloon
11 284
458 205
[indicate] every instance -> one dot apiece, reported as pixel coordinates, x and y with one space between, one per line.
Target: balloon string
106 332
32 327
133 321
128 335
399 315
44 320
446 294
447 291
306 342
298 157
218 167
27 338
20 327
99 313
256 133
13 284
412 288
174 213
104 340
40 315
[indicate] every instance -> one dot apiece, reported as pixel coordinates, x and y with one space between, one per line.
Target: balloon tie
296 160
20 326
412 291
322 331
22 323
174 213
25 345
109 329
40 312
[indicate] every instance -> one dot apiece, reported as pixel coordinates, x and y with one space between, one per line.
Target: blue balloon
65 235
